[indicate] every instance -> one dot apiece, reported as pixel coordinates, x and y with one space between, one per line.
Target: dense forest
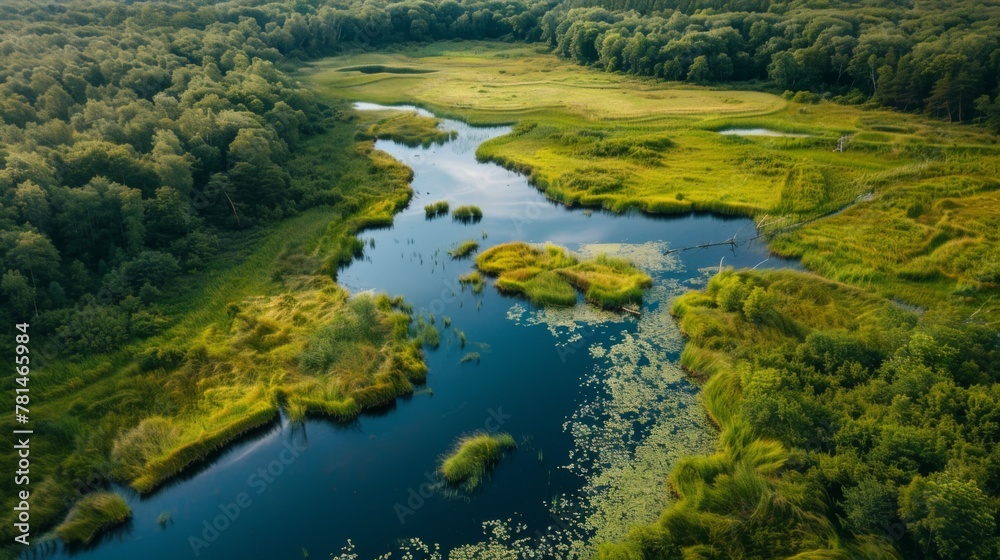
141 140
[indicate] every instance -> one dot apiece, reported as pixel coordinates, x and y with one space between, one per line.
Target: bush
758 305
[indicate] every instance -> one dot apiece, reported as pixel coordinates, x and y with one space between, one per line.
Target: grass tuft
467 214
464 249
473 458
93 514
439 208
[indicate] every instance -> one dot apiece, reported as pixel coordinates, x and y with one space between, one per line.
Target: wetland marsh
579 388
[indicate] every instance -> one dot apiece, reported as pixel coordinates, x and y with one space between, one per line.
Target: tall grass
473 458
94 513
464 249
467 214
473 279
436 209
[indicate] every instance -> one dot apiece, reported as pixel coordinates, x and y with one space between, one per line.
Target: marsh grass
439 208
472 279
426 333
410 129
552 276
464 249
473 458
93 514
467 214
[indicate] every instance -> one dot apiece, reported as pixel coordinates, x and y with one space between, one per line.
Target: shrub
758 305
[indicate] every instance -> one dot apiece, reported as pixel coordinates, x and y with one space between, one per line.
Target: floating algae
642 417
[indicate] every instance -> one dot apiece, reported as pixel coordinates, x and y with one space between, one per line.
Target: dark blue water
298 490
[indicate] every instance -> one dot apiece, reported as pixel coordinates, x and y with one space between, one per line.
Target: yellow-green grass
409 129
464 249
436 209
467 213
473 458
230 356
552 276
472 279
93 514
596 139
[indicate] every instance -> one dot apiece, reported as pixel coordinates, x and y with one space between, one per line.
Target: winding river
595 399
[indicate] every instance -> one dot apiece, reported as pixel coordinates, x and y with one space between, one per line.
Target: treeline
131 141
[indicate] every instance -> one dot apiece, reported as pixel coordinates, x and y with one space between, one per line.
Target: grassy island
552 276
473 458
411 130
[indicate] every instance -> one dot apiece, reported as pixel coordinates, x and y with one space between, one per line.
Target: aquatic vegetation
473 279
473 458
470 357
464 249
426 333
467 213
165 518
627 437
551 276
94 513
410 129
439 208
